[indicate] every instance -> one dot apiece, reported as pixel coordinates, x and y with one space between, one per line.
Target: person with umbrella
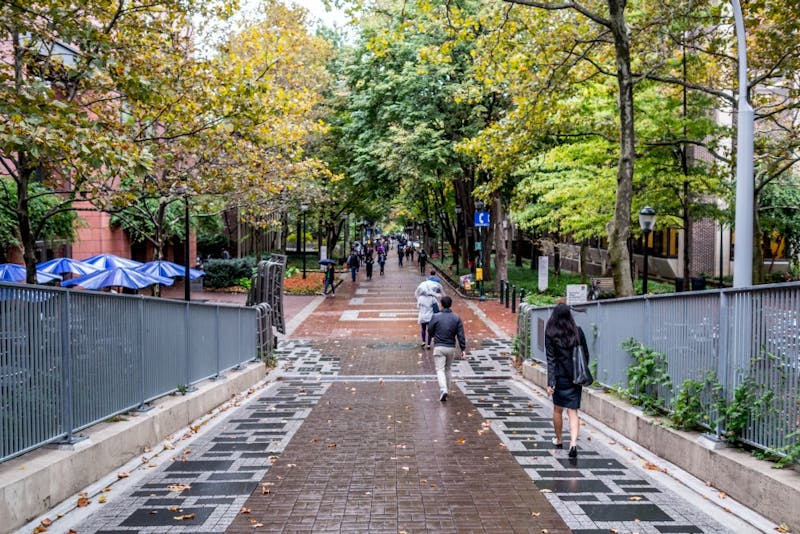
330 273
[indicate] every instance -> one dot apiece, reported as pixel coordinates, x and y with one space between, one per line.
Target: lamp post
187 286
480 205
458 234
647 220
743 260
304 208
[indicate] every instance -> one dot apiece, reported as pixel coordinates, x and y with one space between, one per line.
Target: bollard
501 290
508 292
513 299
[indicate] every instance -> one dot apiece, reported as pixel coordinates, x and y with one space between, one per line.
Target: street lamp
458 227
304 208
647 220
480 205
743 261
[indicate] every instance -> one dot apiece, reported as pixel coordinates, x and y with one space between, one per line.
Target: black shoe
443 396
422 346
557 445
573 452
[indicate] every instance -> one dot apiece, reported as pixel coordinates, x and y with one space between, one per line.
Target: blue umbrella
167 269
66 265
110 261
119 276
12 272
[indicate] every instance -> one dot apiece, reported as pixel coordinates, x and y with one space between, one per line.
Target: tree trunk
27 239
500 247
582 261
618 229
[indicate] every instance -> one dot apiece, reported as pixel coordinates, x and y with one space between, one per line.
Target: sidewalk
349 436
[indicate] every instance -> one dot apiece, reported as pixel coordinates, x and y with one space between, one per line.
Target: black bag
435 307
582 376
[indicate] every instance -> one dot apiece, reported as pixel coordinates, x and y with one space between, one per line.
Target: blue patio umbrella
119 276
12 272
66 265
110 261
168 269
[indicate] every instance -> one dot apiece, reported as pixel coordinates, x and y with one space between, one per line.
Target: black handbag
582 376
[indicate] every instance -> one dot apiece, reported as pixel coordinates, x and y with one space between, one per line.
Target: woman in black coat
561 336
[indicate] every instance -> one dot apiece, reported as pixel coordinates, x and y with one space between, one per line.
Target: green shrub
227 273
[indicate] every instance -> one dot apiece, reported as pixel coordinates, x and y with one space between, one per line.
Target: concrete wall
773 493
33 483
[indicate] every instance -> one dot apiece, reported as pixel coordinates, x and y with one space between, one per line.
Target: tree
618 229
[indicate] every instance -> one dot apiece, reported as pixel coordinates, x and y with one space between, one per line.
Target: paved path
349 436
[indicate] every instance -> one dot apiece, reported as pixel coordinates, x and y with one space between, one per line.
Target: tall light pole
647 220
304 208
743 258
458 234
187 286
480 205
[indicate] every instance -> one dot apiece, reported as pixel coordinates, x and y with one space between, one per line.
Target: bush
227 273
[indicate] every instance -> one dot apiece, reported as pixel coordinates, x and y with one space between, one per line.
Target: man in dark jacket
445 328
353 263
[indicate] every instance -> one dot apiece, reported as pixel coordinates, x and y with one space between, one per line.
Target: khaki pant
443 360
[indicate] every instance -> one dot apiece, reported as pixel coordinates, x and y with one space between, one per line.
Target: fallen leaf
102 499
106 490
174 509
245 510
461 441
39 529
635 498
654 467
46 522
184 517
331 445
168 445
83 502
179 487
405 468
535 514
123 474
708 483
153 512
545 490
722 494
782 528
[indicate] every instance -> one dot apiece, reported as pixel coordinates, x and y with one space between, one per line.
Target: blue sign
481 218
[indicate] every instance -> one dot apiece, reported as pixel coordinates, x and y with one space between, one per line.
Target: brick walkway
350 437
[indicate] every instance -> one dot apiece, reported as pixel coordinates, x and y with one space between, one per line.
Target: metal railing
69 359
749 335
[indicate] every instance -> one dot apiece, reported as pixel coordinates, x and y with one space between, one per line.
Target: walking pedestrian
445 328
382 261
422 259
426 305
400 253
368 263
330 273
353 263
561 336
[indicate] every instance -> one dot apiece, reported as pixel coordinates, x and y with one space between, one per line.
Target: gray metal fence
750 334
69 359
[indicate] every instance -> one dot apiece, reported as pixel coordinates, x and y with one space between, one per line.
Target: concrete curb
773 493
33 483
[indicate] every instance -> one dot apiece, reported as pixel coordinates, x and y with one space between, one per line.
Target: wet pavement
349 435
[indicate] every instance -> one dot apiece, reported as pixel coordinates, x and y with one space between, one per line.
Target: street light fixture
458 227
304 208
647 220
480 205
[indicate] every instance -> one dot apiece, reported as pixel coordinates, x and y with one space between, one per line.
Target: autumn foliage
296 285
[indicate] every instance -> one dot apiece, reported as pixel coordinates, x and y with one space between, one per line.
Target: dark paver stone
591 463
164 502
201 465
625 512
230 476
691 529
573 486
215 500
163 518
553 473
259 446
220 488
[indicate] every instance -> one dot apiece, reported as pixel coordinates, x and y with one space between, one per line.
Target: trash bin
698 284
679 285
